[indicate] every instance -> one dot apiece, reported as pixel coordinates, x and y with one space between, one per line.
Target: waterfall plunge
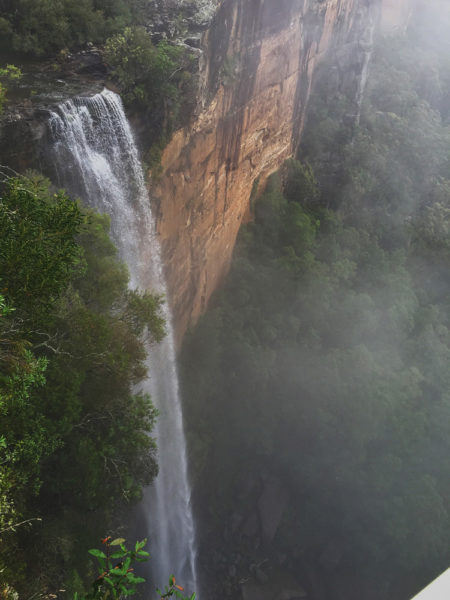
95 157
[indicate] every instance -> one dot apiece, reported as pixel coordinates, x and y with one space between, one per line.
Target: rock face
280 586
258 63
271 506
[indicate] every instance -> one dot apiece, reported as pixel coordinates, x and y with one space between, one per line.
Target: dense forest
74 447
318 377
44 27
323 363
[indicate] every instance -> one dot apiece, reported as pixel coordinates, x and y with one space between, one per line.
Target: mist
317 383
276 176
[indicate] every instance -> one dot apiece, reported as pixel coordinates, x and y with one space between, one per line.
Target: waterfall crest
95 157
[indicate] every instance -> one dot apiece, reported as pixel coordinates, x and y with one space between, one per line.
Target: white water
95 157
367 44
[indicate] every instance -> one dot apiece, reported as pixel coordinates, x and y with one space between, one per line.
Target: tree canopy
74 433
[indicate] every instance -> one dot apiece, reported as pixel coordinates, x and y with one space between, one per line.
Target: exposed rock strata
256 74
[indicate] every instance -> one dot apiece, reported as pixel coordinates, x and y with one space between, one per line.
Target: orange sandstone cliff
256 71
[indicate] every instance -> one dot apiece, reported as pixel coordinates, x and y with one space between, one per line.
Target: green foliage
115 569
174 590
74 436
149 76
7 74
42 27
39 252
116 578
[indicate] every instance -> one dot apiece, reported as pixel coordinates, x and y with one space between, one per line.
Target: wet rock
194 42
251 526
235 521
271 506
331 556
261 577
90 63
223 148
280 585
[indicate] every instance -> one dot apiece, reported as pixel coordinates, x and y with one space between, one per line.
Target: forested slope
74 445
324 361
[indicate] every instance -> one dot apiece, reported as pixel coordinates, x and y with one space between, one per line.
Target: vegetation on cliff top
74 441
44 27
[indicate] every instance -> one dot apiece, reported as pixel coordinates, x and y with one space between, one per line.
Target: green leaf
97 553
140 545
134 579
119 554
117 542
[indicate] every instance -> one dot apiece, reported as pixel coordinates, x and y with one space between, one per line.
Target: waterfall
366 44
95 157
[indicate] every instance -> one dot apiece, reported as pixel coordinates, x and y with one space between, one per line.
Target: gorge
285 192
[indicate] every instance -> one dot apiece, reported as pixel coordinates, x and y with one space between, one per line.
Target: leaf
134 579
119 554
140 545
117 542
97 553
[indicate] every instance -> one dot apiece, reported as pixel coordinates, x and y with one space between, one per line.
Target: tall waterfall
95 157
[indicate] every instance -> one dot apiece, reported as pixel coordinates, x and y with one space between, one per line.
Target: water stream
95 157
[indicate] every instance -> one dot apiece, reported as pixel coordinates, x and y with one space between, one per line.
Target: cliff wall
258 63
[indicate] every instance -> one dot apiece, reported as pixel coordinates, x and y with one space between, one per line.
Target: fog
318 381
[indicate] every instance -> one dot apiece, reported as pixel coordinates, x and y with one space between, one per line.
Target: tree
7 74
71 354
